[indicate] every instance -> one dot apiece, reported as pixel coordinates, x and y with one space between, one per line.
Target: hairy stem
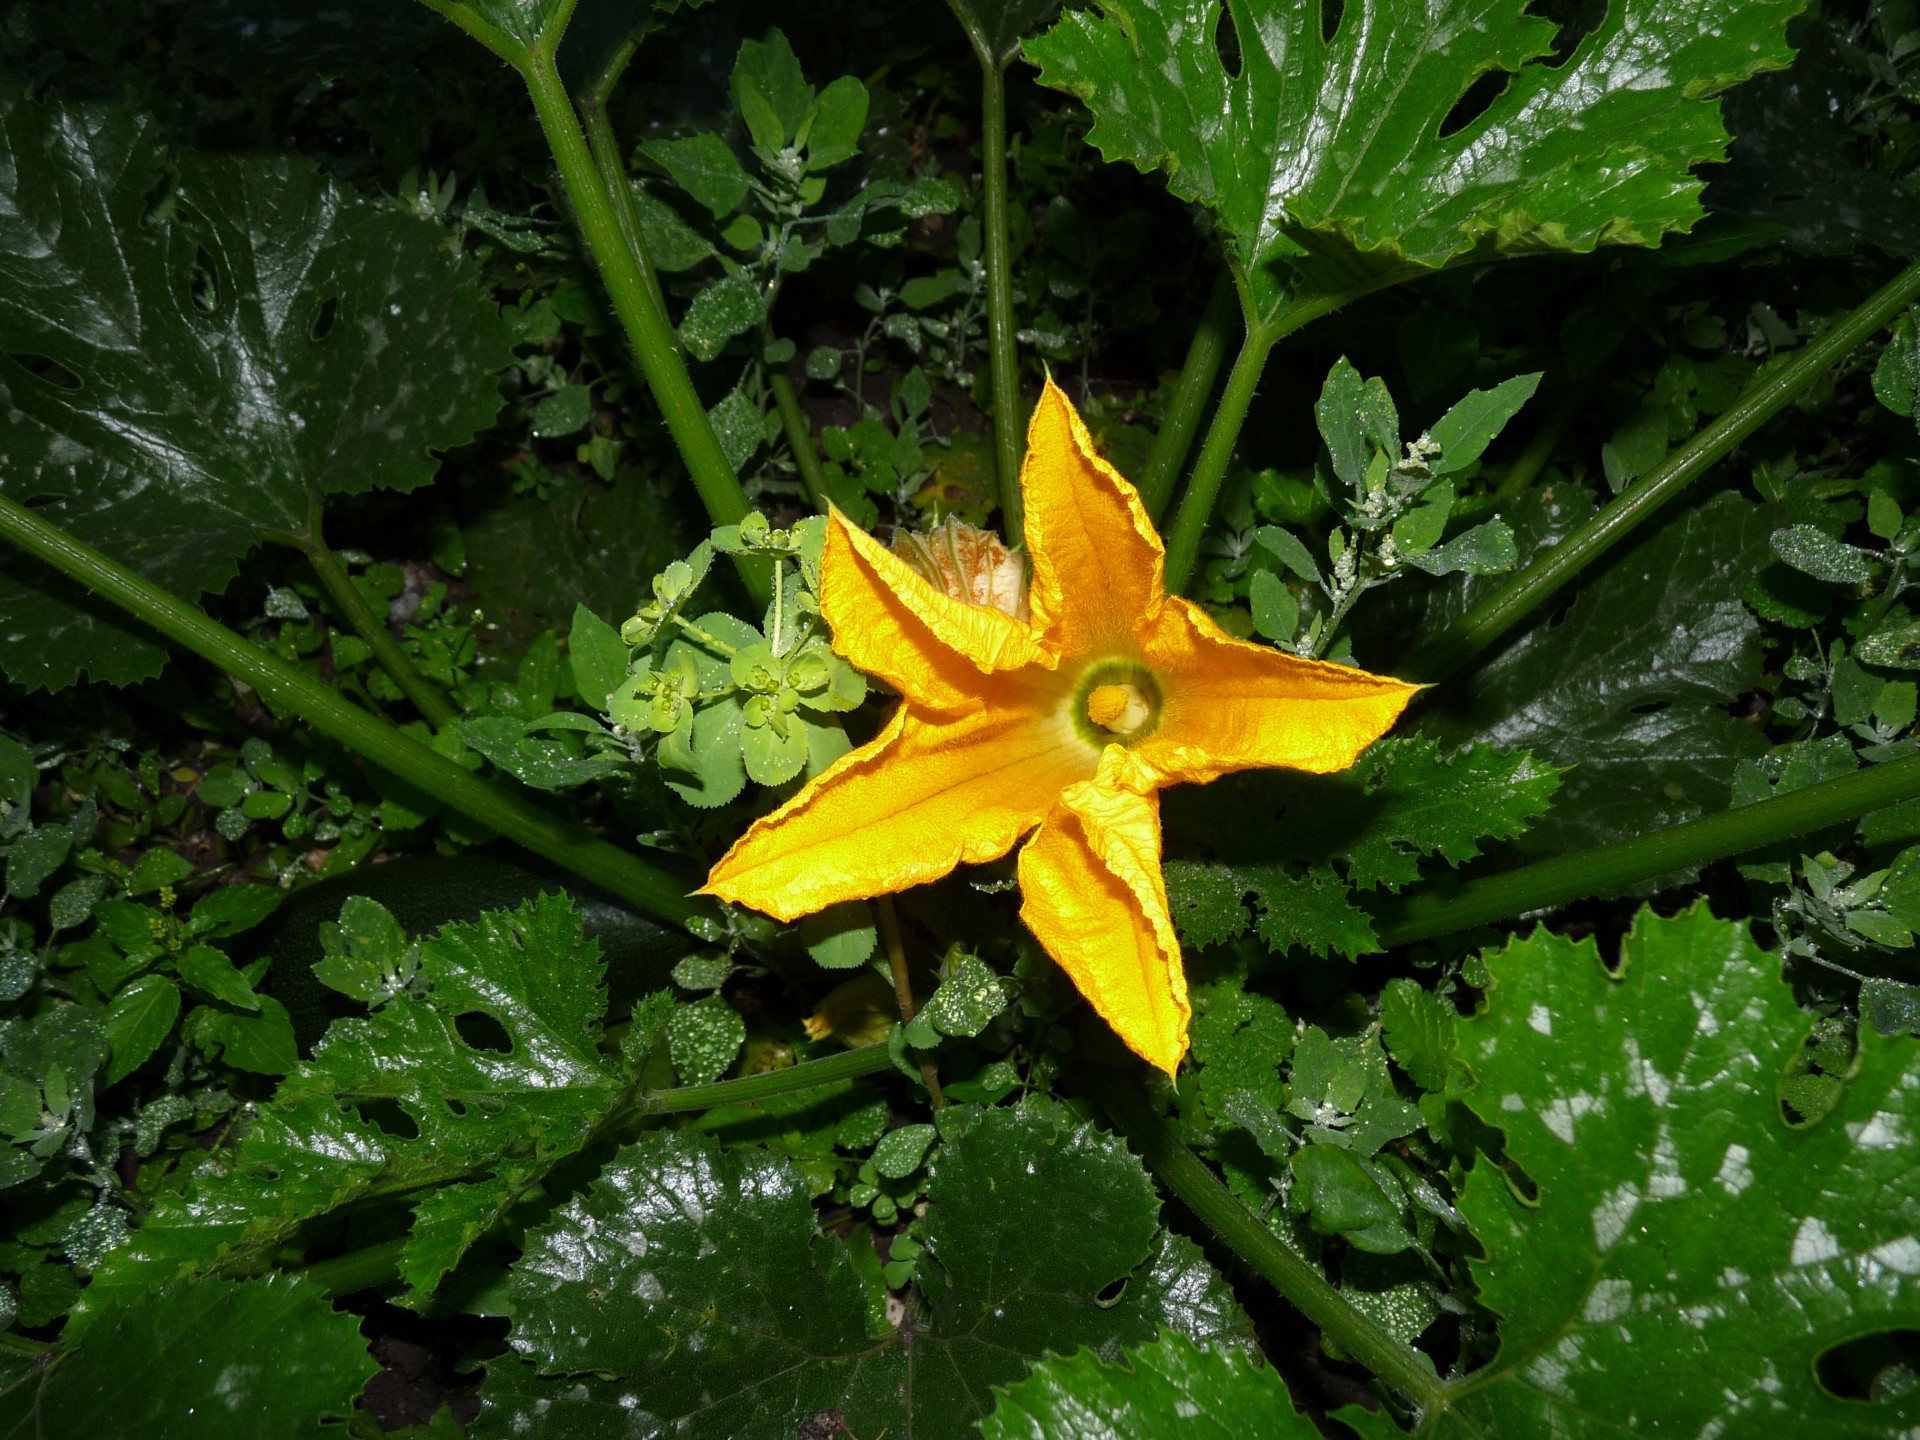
903 987
1767 394
426 697
1002 353
793 420
291 691
620 261
605 150
1591 872
1219 322
1203 488
1187 1176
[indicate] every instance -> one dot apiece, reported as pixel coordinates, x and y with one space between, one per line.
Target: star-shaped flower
1066 725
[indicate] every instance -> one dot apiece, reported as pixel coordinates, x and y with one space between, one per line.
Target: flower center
1120 708
1116 702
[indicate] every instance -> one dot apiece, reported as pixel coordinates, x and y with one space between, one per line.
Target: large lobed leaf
1404 799
1690 1255
1340 137
194 350
489 1122
690 1292
255 1360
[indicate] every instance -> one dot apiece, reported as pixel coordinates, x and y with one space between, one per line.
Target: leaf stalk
291 691
1679 847
1765 395
1191 391
1003 356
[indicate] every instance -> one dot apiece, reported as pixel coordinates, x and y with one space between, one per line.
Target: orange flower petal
1228 705
1092 891
891 622
1097 561
927 794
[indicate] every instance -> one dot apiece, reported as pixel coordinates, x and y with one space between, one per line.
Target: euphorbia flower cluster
1064 725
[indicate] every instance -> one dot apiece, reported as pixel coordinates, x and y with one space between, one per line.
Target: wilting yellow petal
1092 892
1097 562
927 794
891 622
1228 705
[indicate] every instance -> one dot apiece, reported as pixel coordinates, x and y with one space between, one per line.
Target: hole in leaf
1560 613
1226 40
1815 1076
323 318
458 1108
387 1117
483 1032
1652 707
1875 1368
51 371
203 285
1577 19
1473 104
1790 197
1110 1295
1330 14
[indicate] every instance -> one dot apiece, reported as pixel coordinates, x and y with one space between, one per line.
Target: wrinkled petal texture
927 794
889 621
1092 892
1229 705
1097 561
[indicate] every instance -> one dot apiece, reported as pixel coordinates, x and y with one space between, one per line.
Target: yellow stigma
1119 708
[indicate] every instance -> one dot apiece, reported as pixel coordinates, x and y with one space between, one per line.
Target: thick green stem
622 269
291 691
1219 323
380 1264
1002 352
1767 394
1214 1206
799 433
605 150
1203 489
426 698
1679 847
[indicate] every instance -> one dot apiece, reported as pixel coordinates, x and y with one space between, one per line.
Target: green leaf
1341 1198
1169 1388
36 855
204 371
1486 549
672 244
841 936
1466 430
1682 1228
771 93
1292 551
730 306
156 868
1812 551
1418 1028
234 908
838 118
262 1359
261 1041
900 1152
704 1039
1276 614
566 411
494 1105
533 758
705 168
1341 139
996 26
207 970
1896 377
1643 723
598 657
692 1284
1341 1088
966 1001
139 1019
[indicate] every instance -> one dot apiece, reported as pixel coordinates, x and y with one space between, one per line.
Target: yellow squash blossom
1065 724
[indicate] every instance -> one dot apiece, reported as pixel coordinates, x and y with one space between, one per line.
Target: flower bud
968 563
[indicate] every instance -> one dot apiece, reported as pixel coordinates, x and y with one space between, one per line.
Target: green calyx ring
1116 702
